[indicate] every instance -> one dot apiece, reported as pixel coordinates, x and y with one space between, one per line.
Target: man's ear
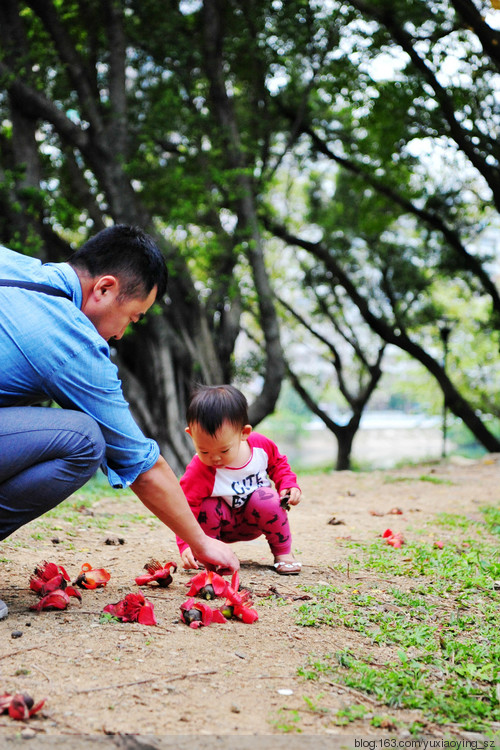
246 431
186 429
106 286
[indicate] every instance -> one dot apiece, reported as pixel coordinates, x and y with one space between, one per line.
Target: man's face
110 313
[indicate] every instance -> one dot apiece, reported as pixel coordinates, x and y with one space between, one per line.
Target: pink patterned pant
261 514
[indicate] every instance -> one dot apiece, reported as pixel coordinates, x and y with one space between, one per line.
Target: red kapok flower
133 608
157 572
195 614
57 599
238 603
208 584
19 706
243 612
5 701
395 540
92 578
48 577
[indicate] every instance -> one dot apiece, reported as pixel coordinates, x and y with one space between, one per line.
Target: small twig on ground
283 592
142 682
52 653
34 666
21 651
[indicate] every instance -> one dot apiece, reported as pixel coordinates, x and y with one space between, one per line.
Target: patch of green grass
453 521
435 687
97 488
287 721
131 518
396 480
364 614
471 565
434 480
69 512
107 617
384 722
323 611
441 633
492 518
408 598
314 669
313 704
349 714
422 478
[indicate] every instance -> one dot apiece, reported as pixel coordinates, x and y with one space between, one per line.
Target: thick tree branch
117 91
248 226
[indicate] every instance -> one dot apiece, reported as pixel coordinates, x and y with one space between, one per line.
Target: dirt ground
172 685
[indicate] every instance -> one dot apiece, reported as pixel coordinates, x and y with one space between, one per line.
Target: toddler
228 482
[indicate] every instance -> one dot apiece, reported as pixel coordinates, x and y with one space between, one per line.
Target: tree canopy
360 138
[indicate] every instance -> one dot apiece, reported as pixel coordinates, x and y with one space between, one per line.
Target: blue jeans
45 456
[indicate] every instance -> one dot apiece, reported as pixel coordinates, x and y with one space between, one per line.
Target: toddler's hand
188 559
294 494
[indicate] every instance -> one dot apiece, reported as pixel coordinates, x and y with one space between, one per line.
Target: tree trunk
244 201
345 438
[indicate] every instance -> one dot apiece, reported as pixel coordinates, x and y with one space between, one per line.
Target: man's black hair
128 253
212 405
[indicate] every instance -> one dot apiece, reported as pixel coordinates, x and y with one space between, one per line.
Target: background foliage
323 178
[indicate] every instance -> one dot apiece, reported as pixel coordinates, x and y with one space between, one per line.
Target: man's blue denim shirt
50 350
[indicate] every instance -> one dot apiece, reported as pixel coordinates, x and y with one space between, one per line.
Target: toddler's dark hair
211 405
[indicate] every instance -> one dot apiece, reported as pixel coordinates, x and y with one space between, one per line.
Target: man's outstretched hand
216 555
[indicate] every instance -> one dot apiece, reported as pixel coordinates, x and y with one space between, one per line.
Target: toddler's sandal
288 568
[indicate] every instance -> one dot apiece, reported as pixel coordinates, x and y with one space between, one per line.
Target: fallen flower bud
133 608
191 616
207 585
48 577
157 572
207 615
57 599
395 540
227 610
439 544
20 706
242 612
92 578
238 602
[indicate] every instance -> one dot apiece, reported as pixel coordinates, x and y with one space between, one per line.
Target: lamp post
444 333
